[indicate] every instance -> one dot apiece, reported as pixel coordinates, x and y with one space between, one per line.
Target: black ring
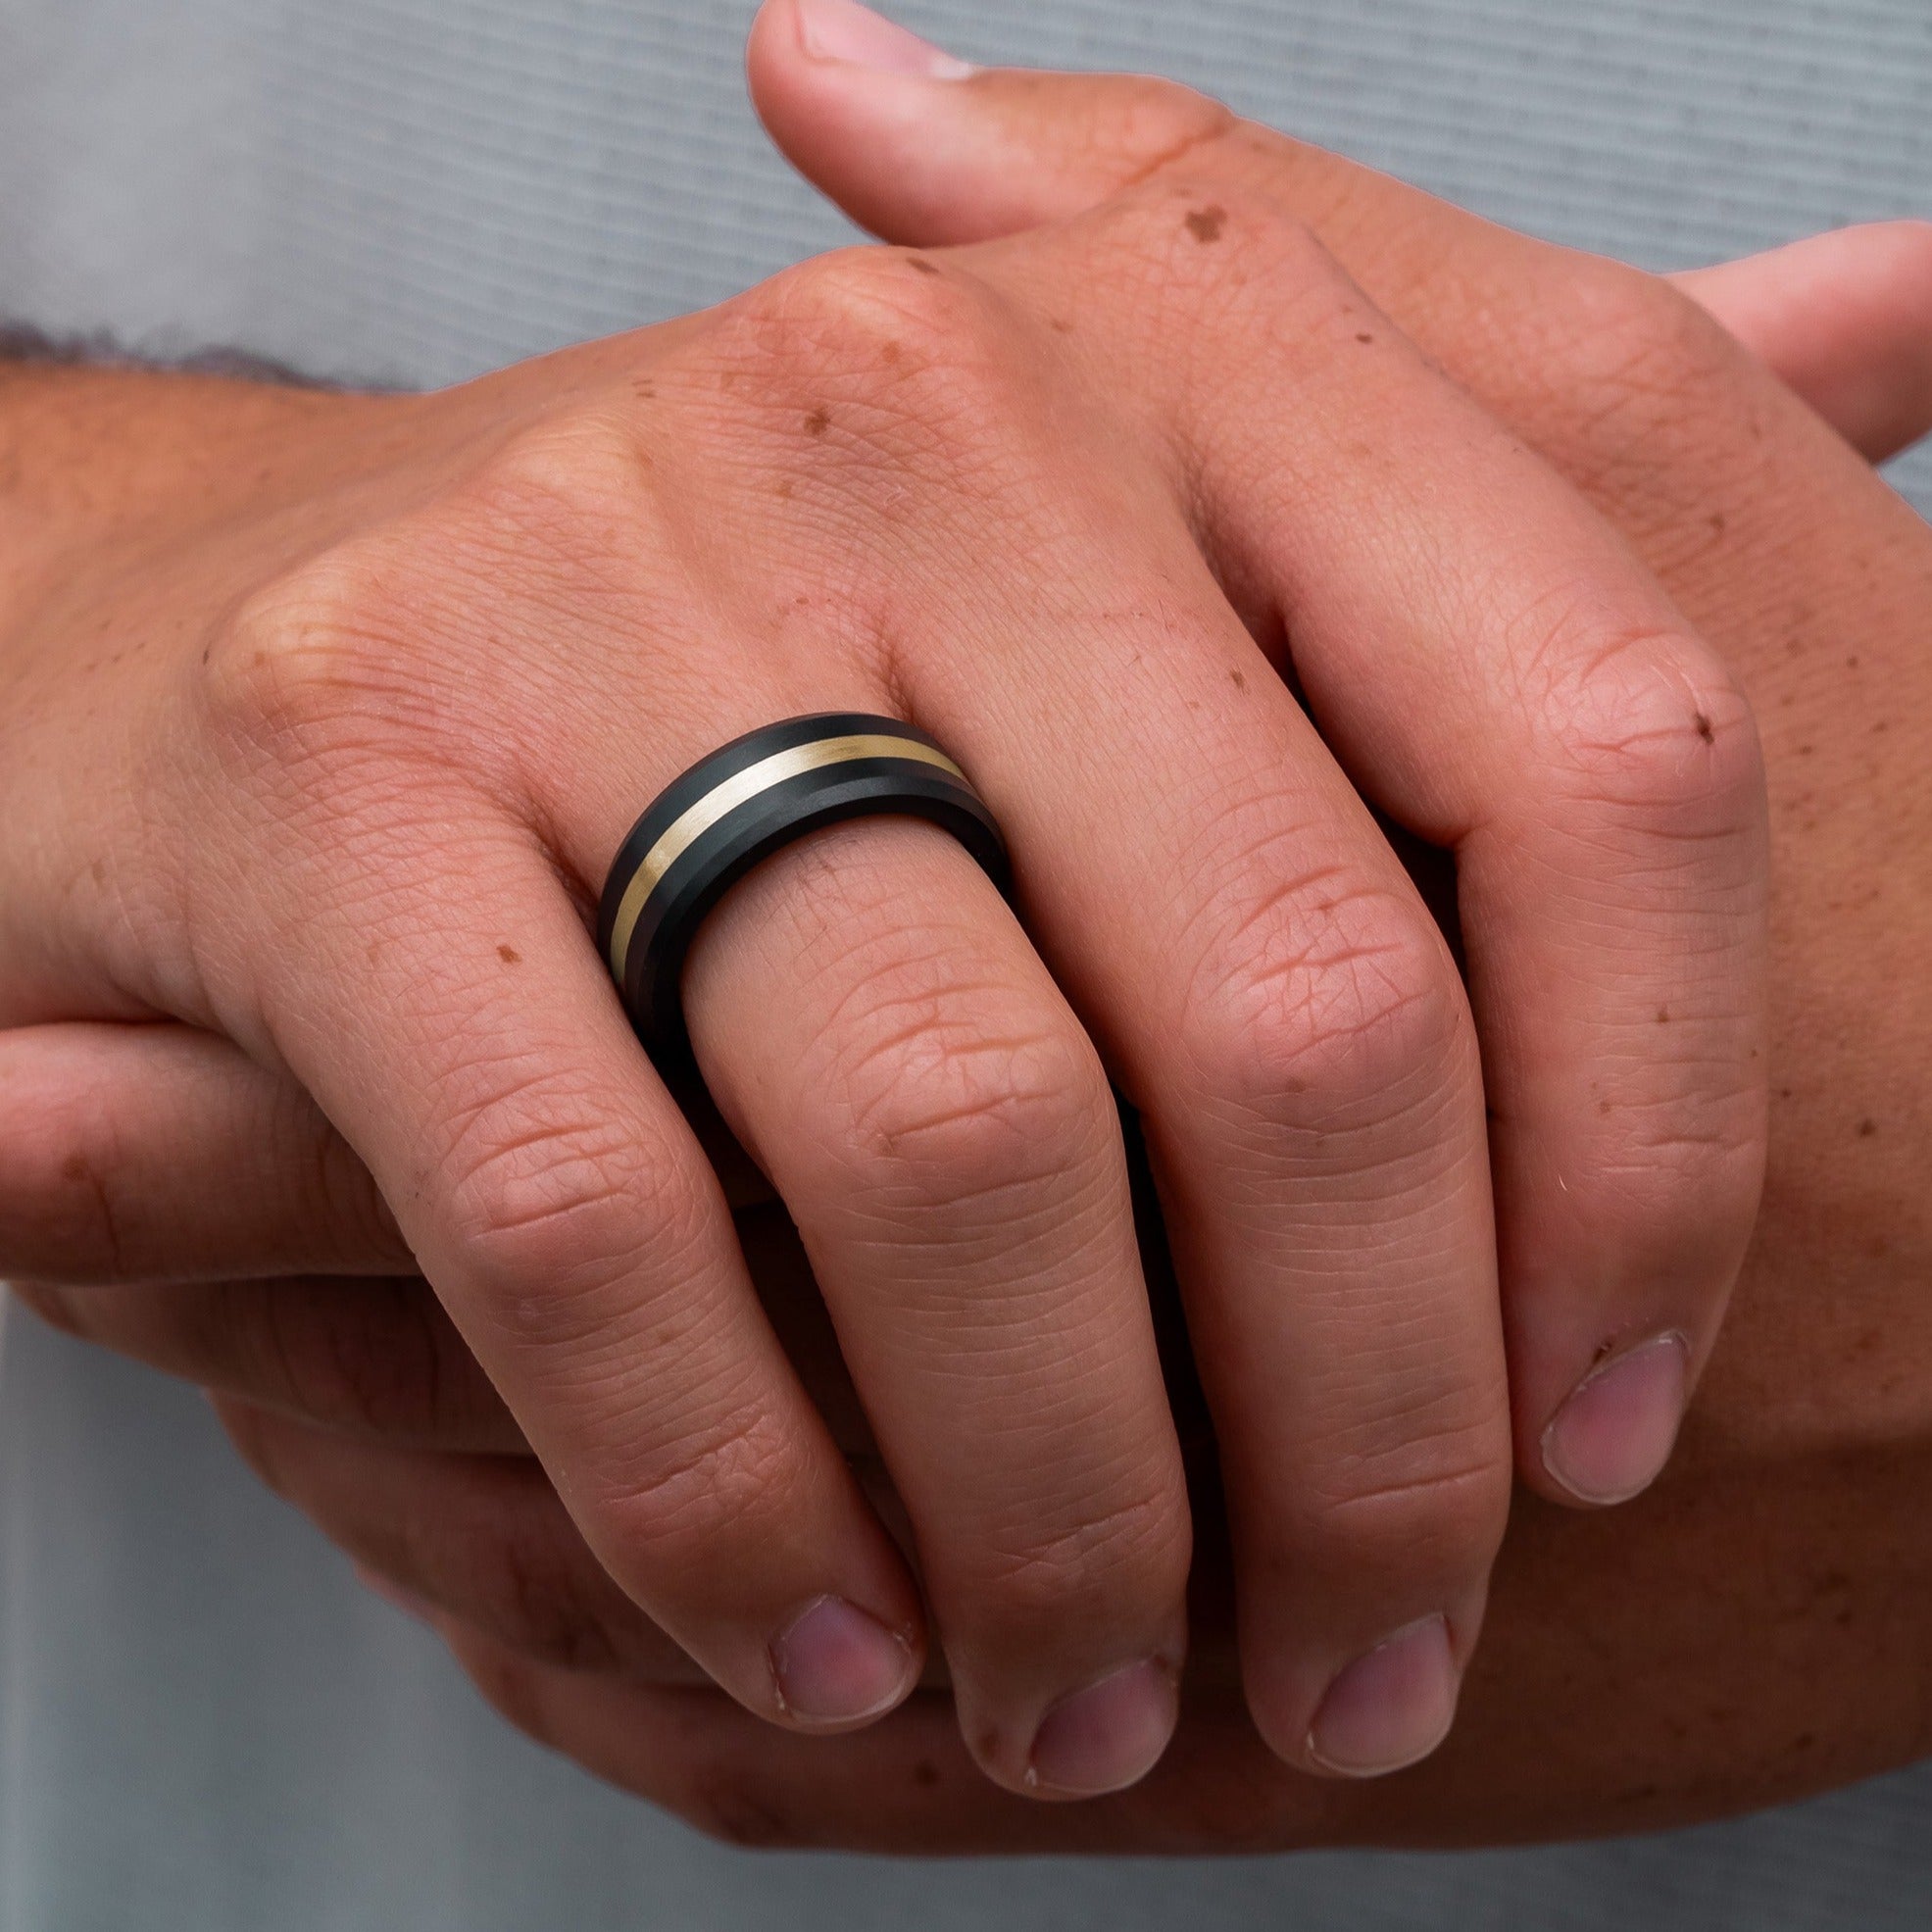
710 826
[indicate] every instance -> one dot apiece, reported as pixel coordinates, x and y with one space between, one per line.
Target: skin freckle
1867 1129
920 266
510 956
818 422
1664 1016
1240 682
1703 730
1364 338
1206 223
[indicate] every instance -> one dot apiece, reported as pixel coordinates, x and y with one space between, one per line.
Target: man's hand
324 714
1752 1631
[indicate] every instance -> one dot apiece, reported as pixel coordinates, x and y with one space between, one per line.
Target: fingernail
1108 1736
834 1664
1390 1707
1616 1432
844 31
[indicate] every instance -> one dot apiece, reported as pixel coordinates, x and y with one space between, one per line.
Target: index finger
456 1024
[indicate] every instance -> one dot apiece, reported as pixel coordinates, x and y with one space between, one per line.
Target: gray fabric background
203 1723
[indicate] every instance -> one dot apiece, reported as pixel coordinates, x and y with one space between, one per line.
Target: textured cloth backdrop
204 1725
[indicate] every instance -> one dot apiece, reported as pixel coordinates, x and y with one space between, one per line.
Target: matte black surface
714 863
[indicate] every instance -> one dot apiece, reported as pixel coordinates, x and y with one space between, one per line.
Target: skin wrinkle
979 1248
1332 1057
743 1470
1397 1498
1144 1528
1031 1122
712 1406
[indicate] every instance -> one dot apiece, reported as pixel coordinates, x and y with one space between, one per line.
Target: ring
705 830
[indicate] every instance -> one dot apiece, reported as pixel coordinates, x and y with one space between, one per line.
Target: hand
1848 340
374 665
1751 1632
1745 1635
154 1155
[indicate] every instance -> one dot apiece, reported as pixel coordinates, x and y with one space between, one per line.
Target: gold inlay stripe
741 788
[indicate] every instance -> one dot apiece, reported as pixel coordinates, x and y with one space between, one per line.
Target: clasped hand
1214 553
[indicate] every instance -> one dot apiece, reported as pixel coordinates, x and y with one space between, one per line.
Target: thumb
1845 320
922 148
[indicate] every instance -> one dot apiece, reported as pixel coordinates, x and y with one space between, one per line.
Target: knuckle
550 1207
1436 1507
843 312
378 640
314 662
1649 723
1674 1184
560 496
1135 1551
1332 1009
1216 245
943 1112
875 372
726 1483
1634 341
